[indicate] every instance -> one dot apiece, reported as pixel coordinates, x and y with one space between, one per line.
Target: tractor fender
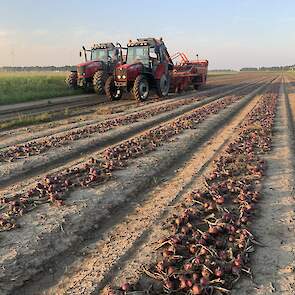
133 71
162 69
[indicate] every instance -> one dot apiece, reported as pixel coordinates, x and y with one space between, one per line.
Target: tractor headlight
124 77
119 76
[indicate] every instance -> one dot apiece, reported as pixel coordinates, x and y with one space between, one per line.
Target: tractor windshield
138 54
99 54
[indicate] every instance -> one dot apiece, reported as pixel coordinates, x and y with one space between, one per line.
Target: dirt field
193 194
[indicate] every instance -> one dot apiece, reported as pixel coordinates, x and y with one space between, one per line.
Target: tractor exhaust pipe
85 55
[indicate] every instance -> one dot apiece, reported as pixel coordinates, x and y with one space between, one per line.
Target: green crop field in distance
28 86
221 73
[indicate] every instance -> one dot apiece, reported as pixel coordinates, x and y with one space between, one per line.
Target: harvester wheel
141 88
99 80
111 90
71 80
163 86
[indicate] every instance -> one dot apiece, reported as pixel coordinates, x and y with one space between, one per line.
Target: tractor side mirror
80 53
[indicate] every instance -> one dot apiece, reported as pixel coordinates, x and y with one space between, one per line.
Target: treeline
37 69
282 68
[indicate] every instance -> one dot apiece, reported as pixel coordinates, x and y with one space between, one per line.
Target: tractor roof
152 42
103 46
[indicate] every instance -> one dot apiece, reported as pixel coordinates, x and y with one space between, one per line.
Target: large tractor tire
71 80
141 88
99 80
163 86
111 90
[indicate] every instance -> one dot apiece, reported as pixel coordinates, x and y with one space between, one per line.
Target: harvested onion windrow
41 146
210 240
55 187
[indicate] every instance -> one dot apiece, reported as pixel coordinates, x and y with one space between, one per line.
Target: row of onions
55 188
211 240
31 148
41 146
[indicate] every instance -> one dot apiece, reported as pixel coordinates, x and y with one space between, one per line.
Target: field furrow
179 196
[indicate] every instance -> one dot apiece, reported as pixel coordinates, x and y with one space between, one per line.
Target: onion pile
210 242
54 188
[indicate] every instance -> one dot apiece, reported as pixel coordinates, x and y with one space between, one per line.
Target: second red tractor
93 73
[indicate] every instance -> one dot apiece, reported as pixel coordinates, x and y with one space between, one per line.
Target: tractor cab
149 52
106 52
148 66
102 57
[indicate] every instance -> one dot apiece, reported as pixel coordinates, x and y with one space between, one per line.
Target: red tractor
93 73
149 66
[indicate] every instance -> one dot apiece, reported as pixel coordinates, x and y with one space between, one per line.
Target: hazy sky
230 33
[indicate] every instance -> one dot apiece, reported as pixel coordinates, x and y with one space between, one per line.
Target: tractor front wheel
71 80
141 88
99 80
163 86
112 91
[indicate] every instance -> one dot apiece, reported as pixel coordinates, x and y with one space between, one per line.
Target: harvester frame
188 73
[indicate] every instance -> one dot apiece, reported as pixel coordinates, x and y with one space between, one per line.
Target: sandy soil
108 231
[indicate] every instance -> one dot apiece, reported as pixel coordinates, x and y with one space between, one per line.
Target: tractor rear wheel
141 88
163 86
71 80
112 91
99 80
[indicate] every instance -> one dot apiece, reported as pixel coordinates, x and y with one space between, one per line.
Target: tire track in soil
128 235
14 173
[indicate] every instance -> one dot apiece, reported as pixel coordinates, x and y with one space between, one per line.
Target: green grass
28 86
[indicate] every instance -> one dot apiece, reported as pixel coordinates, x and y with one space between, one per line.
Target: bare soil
105 233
